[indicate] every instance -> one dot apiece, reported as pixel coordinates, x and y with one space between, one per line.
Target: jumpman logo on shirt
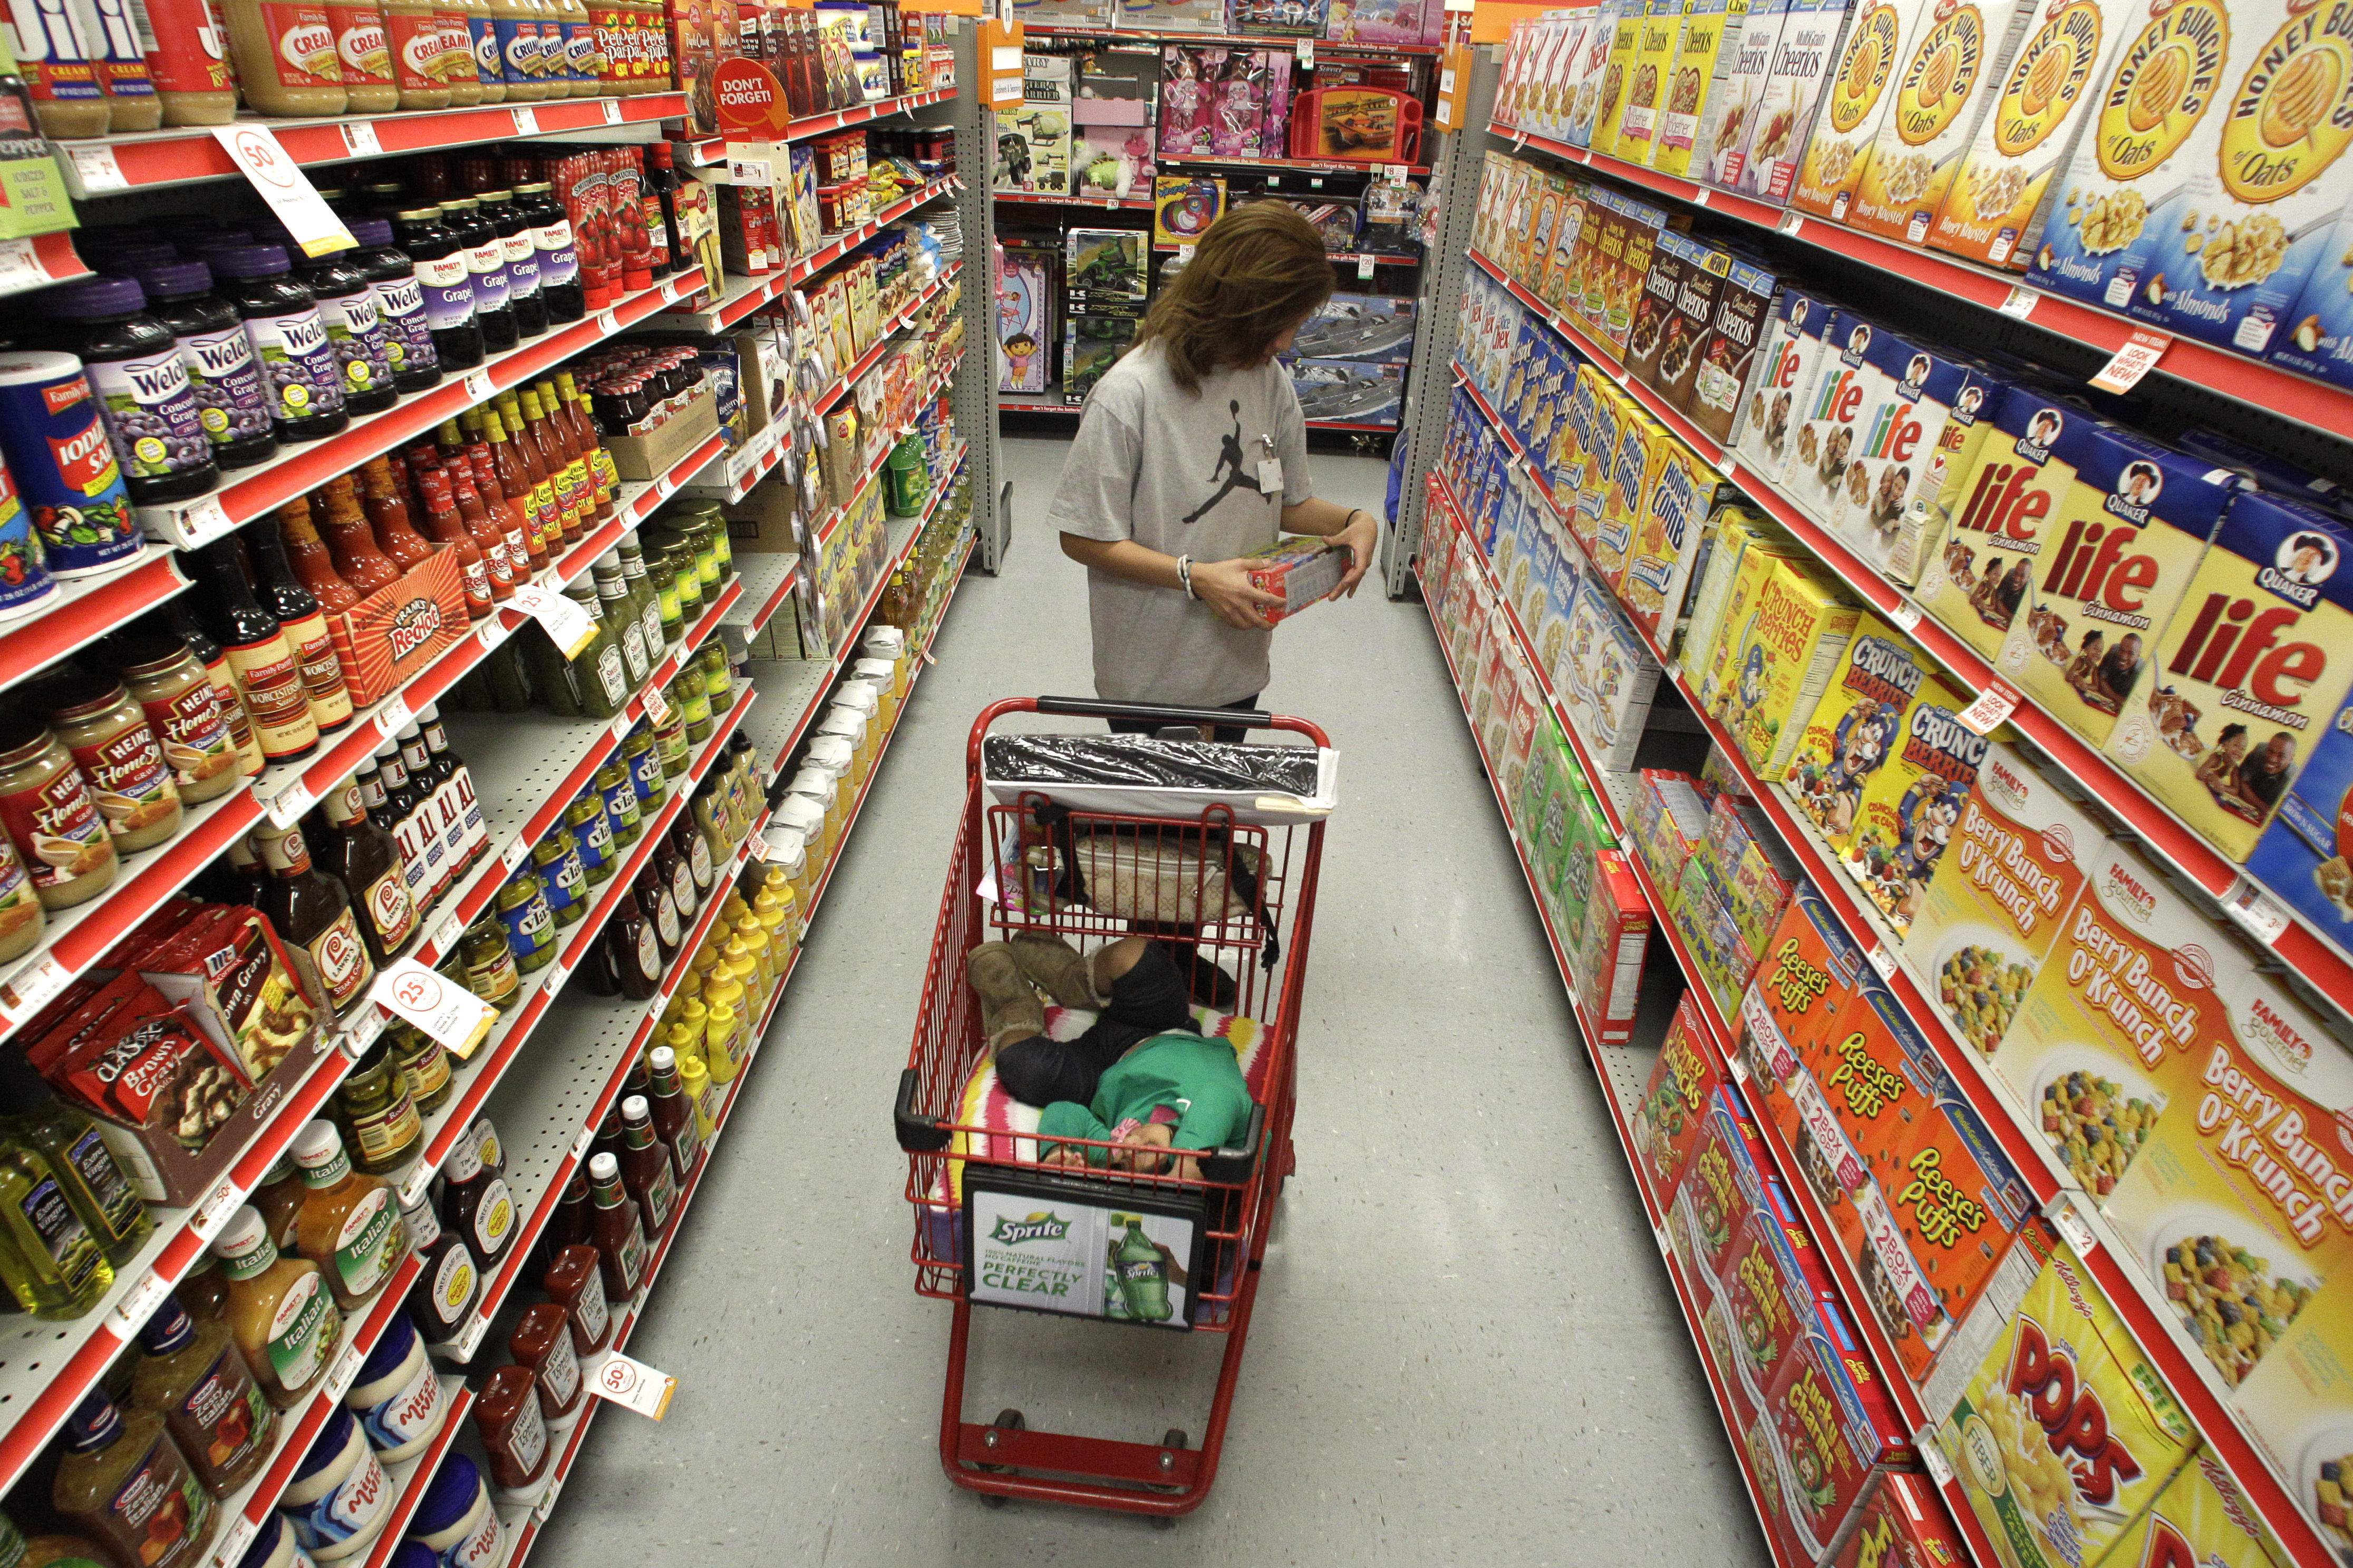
1230 464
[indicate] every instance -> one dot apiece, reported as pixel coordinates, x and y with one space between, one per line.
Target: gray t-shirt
1178 472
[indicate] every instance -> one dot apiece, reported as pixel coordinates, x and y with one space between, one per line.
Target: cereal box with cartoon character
2204 1518
1810 972
2007 183
1829 418
1879 41
2298 1403
1832 1427
1655 55
2067 1433
1777 657
1941 93
1723 1182
1885 506
1784 381
2248 673
1770 1283
1912 803
1736 571
1902 1525
1856 726
1703 66
1720 142
1812 46
2000 896
1682 495
1666 1122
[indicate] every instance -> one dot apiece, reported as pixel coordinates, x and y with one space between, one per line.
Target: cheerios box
1646 85
2067 1433
1830 417
2172 67
1911 803
1672 259
2205 1517
1702 68
1720 142
1900 1524
2246 677
1812 46
1880 41
1832 1427
1771 1280
1856 726
2000 895
1667 1119
1617 76
2236 1205
2230 249
2298 1403
1731 358
1808 975
1995 205
1940 95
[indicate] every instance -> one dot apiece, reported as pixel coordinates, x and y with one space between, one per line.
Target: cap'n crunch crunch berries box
1912 802
1856 725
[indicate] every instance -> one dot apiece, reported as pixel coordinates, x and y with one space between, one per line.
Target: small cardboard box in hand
1301 568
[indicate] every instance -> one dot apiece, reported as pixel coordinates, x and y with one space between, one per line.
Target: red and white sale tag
634 1384
295 201
438 1005
569 627
1997 702
2135 358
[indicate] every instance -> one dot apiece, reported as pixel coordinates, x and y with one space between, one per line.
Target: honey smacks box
2248 673
1910 805
1673 1105
2066 1434
1881 38
1777 654
1941 92
1722 1181
1856 725
2001 892
2204 1517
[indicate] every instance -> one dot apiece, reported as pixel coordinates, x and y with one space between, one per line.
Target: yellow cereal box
1609 111
2300 1404
1776 655
1941 93
1878 42
1685 491
1733 571
1703 62
2253 664
2066 1435
1857 725
2203 1519
2000 896
1643 447
1909 807
1655 55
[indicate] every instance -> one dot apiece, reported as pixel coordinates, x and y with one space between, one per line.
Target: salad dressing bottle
280 1311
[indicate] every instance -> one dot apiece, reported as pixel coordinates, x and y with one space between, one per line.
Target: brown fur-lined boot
1009 1008
1055 966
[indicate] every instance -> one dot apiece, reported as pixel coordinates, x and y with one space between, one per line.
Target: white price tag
479 385
608 322
580 1144
468 1340
21 266
412 1187
612 111
1904 613
1446 79
1307 53
347 1367
204 520
2135 358
1997 702
633 1384
656 706
287 807
621 724
213 1211
359 139
2264 916
1933 1458
133 1311
526 122
1364 268
669 294
446 936
1791 222
97 169
547 1504
751 172
437 1004
517 851
1739 1068
42 979
393 715
235 1536
2020 303
491 633
552 977
1883 961
665 485
296 201
2076 1230
569 627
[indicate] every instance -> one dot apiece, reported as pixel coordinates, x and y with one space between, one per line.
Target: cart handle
917 1134
1234 1166
1159 712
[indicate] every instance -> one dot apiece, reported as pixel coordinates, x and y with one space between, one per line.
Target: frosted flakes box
1940 95
1586 74
1830 417
2167 73
1719 144
1997 204
1833 1427
1856 726
1617 76
1902 1525
1811 47
2000 896
2300 1404
1881 38
2067 1433
1682 495
1675 1102
2248 672
1771 1280
2204 1518
1784 379
1703 66
1912 803
1611 677
1810 972
1646 84
1785 647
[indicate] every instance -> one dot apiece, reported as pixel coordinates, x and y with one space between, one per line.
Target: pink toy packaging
1186 110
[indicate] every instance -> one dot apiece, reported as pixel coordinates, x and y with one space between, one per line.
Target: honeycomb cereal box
1810 973
1682 495
1779 661
1856 726
1878 42
2254 663
1900 1525
1728 359
1617 76
1885 506
1675 1102
1585 73
1811 47
2172 68
1830 417
2298 1403
1770 1283
1721 141
1912 802
1941 93
2066 1434
1784 379
1703 66
1607 412
1643 445
1831 1427
1654 53
2239 1201
2001 893
2204 1518
1997 204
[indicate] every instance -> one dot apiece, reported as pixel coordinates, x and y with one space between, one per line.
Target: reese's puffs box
1812 971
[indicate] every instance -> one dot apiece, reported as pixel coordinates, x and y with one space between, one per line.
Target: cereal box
1885 508
1811 44
1666 1123
1811 972
1878 43
1605 961
1649 223
1736 574
1830 417
1607 411
1576 34
1784 648
1771 1281
1655 54
1784 380
2320 338
1720 139
1682 495
1610 105
2300 1404
1560 282
1672 259
1643 445
1831 1427
1940 96
1586 73
1955 1203
2302 858
2066 1434
1856 726
1999 895
1901 1525
1912 802
1996 206
1728 357
1612 677
1702 63
2248 672
1723 1182
2204 1518
2168 72
1705 280
1967 424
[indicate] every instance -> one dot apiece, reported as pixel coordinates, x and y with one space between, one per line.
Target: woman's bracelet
1184 576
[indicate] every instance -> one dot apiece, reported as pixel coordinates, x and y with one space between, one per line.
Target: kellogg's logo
1037 1228
416 623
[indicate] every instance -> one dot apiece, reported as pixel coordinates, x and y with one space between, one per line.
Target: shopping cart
1170 1250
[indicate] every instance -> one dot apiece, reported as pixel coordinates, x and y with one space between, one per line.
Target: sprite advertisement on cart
1047 1249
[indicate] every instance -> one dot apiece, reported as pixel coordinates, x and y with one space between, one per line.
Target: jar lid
634 1108
266 1539
164 278
251 261
94 1423
169 1329
334 1439
661 1059
534 188
141 653
319 1144
370 231
398 1337
27 366
203 242
456 1488
244 1233
71 693
418 215
493 196
410 1554
20 737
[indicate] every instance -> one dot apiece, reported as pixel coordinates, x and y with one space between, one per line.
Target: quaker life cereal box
2118 553
2300 1404
1810 974
1720 143
1780 657
1912 803
1784 380
1768 1290
2165 74
1682 495
1995 208
2066 1434
2237 1202
2248 673
1886 507
1672 258
1946 86
1830 417
2204 1518
2230 252
1703 66
1967 424
1877 45
1587 73
1728 358
2001 894
1856 726
1812 43
1902 1525
1707 279
1612 677
1617 76
1655 54
1675 1102
1832 1427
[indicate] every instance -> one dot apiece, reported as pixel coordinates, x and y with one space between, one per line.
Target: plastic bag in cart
1139 775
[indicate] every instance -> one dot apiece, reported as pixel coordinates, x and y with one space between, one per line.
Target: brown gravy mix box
1878 42
1940 96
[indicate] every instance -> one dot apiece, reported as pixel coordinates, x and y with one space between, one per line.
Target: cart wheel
1173 1438
1008 1420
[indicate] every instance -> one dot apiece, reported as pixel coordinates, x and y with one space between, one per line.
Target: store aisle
1464 1350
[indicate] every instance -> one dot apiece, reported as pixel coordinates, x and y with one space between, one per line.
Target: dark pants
1147 1000
1231 734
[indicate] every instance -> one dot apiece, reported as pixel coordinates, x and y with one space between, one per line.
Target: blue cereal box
2319 339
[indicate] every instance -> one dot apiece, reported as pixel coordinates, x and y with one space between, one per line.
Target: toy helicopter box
1348 392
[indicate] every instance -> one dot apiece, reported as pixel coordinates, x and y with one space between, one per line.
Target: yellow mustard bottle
694 1081
720 1041
755 938
779 916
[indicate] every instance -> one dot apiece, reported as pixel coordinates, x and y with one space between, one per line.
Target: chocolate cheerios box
1940 95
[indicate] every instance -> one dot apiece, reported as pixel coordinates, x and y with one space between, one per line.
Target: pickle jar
425 1065
115 747
592 837
718 680
51 819
612 785
561 877
687 574
665 581
378 1119
643 759
530 924
490 966
699 531
670 740
691 697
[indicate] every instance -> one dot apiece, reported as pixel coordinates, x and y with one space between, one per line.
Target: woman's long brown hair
1259 271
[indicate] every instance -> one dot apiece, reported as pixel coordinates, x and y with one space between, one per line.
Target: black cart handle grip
1157 712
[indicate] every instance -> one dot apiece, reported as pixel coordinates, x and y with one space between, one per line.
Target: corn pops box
1831 1427
1682 495
1912 802
1809 973
1942 92
1654 53
1884 507
1785 379
1770 1284
1856 726
2066 1435
2000 896
1617 76
2298 1403
1997 204
1830 417
2204 1517
1812 46
1785 647
1675 1103
1720 143
1586 73
1902 1525
1703 66
1881 39
2248 673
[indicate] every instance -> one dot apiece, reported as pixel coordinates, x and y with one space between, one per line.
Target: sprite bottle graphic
1115 1299
1143 1274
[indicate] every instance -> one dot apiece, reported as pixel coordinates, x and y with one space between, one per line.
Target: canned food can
25 584
64 466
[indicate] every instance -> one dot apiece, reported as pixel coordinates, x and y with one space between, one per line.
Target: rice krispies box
1881 38
1941 93
1900 1524
1785 375
2205 1518
1858 723
2248 672
1720 143
1831 1427
1911 803
2066 1434
1811 46
1885 506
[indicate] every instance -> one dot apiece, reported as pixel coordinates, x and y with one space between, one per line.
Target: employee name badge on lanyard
1269 471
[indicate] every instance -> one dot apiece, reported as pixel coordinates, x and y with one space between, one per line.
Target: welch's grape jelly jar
144 396
57 448
232 402
289 337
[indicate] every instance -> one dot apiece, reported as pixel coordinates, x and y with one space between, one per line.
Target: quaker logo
1858 344
417 623
2136 490
64 394
1037 1228
1915 377
2041 433
2304 562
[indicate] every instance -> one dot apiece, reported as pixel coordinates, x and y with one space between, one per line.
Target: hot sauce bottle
344 527
505 567
388 513
446 527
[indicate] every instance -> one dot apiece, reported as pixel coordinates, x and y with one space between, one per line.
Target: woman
1192 454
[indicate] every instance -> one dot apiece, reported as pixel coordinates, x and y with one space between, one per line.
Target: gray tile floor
1464 1351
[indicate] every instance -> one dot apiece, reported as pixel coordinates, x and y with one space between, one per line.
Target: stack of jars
635 388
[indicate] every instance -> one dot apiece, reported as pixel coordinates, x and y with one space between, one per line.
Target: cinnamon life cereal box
1885 506
1846 128
1997 204
1940 95
1730 352
1784 380
1654 53
1811 44
2067 1433
2248 673
1702 67
2304 857
1720 139
2204 1517
1912 803
1856 726
1830 417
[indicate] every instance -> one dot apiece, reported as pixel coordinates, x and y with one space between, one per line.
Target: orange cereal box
2203 1520
1856 725
1675 1103
1879 38
1810 973
2253 664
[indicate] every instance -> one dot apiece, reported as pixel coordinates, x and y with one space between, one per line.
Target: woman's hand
1360 539
1225 587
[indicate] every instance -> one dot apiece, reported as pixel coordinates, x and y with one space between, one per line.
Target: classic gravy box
1811 46
1856 726
1883 37
1720 143
1703 66
1996 206
1785 375
1940 96
2250 670
1830 417
1910 805
1884 505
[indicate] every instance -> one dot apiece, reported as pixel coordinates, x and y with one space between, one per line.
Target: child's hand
1225 587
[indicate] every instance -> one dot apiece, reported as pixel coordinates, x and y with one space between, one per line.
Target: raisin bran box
1884 507
1912 802
1833 1427
1856 725
1720 144
1879 41
1942 92
1812 46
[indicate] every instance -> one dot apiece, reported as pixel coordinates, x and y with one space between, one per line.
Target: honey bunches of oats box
2067 1433
1912 802
2318 341
1879 41
1996 207
1856 726
1721 141
2204 1517
1703 66
1939 97
2254 663
1787 642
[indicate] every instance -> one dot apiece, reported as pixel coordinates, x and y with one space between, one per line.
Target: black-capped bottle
392 806
472 840
523 294
366 860
232 402
486 261
278 589
556 251
289 337
312 914
446 284
347 303
477 1206
260 655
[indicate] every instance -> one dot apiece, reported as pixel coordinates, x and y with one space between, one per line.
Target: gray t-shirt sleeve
1291 443
1096 497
